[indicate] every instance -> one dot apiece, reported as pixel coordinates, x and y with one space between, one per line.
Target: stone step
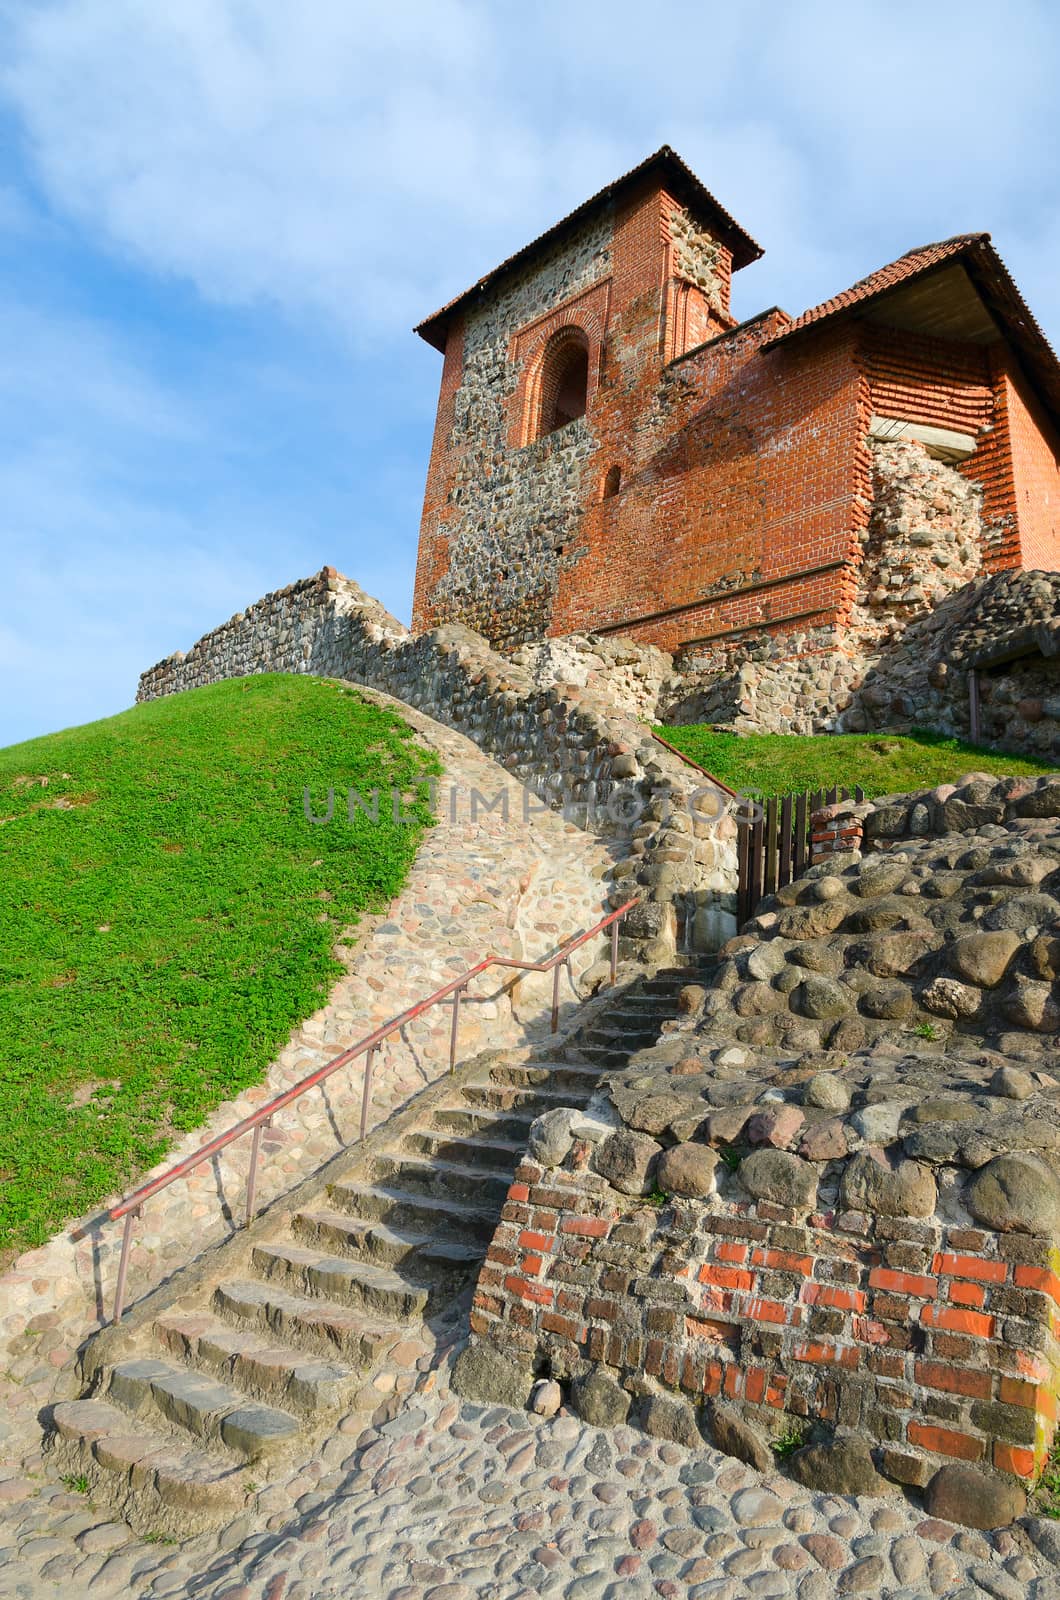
601 1056
403 1208
550 1075
314 1325
262 1368
502 1155
638 1004
494 1125
148 1478
343 1280
650 1008
610 1030
202 1406
507 1097
430 1256
670 980
441 1179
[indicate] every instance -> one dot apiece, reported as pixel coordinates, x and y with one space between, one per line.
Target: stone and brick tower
614 453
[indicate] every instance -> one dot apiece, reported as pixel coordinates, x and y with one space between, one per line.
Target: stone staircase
229 1376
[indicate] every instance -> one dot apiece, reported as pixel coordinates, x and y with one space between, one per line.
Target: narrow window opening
562 384
572 385
612 483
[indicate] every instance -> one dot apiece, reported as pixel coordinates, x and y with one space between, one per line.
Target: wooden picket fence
774 847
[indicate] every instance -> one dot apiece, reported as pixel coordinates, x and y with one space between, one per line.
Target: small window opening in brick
612 483
572 385
562 384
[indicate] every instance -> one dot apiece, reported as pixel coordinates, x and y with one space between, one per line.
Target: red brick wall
1035 446
937 1341
937 382
742 470
745 478
432 556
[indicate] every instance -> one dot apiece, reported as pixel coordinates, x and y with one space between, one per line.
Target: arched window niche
561 384
612 483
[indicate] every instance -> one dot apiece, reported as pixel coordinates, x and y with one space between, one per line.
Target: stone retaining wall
921 622
933 1340
568 744
830 1193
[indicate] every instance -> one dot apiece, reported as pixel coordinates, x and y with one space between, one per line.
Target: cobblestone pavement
430 1498
482 881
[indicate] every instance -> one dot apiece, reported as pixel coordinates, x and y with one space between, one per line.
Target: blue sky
219 220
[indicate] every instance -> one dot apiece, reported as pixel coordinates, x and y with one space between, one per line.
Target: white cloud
364 161
262 154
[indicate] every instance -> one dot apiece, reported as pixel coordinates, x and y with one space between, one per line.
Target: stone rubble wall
566 743
626 673
830 1194
914 676
800 682
922 679
923 540
922 612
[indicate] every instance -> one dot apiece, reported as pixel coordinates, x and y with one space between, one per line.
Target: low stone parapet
569 743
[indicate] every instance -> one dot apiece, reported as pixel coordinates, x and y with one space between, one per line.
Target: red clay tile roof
686 187
994 283
911 265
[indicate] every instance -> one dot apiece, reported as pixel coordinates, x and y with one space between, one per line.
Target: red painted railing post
614 952
555 998
252 1175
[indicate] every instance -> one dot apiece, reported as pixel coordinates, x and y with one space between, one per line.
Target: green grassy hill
167 915
764 764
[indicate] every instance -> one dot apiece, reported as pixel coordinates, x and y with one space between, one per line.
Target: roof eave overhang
680 178
997 289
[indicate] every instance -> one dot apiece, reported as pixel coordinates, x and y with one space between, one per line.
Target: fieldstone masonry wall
626 673
511 524
834 1194
922 680
567 744
922 542
893 675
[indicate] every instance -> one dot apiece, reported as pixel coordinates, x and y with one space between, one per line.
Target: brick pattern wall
939 382
1036 468
937 1342
757 521
745 475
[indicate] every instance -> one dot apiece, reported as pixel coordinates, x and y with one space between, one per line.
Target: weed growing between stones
792 1439
1048 1491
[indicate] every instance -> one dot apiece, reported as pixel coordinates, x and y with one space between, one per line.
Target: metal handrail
130 1207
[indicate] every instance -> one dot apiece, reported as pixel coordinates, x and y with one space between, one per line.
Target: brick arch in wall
558 390
537 349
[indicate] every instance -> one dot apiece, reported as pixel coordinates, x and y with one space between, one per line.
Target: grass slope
777 763
167 915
